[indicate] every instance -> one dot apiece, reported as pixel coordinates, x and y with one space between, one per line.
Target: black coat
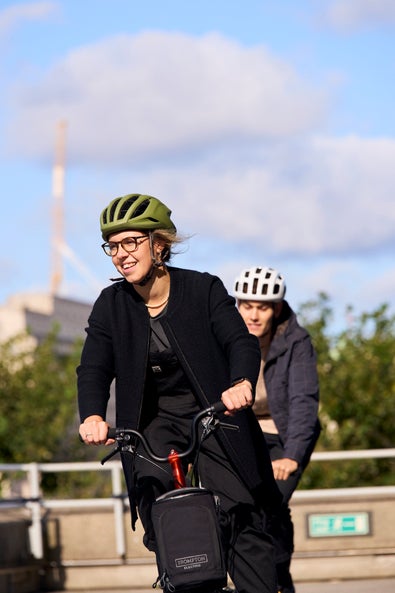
213 346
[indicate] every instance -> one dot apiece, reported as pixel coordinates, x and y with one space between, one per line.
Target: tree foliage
37 399
38 413
357 385
356 367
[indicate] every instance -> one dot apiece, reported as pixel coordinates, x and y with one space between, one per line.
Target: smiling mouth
128 266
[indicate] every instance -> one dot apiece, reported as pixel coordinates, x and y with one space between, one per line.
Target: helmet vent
111 212
141 208
126 205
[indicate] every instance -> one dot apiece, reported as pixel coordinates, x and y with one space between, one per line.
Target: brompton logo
189 562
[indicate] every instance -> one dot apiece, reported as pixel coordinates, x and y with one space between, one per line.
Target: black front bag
190 553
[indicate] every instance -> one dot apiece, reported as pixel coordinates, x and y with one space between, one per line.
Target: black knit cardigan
213 346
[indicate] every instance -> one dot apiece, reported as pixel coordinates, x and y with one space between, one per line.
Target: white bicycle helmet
260 284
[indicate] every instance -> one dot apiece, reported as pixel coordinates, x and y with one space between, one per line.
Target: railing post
35 530
120 540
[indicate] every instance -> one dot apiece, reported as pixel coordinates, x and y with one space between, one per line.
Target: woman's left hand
238 397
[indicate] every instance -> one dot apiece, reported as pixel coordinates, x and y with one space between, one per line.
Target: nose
254 313
122 251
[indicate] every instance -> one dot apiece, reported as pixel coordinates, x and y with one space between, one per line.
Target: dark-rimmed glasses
129 244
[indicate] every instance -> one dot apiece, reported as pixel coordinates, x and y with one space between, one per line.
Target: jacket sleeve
303 398
96 370
241 348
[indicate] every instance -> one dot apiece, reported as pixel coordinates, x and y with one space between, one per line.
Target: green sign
338 524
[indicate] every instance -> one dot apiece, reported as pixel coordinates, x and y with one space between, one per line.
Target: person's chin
131 275
255 331
133 278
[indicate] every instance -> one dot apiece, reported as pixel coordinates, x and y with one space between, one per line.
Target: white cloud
225 132
14 14
319 196
132 99
354 14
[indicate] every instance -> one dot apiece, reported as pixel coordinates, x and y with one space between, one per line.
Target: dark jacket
213 346
291 382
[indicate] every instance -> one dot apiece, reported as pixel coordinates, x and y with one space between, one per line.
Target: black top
172 389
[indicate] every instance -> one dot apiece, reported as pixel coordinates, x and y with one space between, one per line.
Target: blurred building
40 313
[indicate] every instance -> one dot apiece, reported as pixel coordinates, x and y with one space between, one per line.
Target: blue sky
267 127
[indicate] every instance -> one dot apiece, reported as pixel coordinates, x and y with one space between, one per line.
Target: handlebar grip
112 433
219 407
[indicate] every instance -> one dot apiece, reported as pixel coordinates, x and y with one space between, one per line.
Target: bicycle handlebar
123 436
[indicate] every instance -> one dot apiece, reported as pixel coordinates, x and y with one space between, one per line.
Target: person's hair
169 239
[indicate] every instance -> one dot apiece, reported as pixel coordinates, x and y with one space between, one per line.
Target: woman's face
132 258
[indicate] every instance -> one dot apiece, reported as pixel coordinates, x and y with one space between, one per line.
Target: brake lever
124 445
113 452
211 423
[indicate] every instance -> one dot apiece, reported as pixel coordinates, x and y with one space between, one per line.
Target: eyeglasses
129 244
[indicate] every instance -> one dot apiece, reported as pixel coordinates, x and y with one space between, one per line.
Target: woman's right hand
93 431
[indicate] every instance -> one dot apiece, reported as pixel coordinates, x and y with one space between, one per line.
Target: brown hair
169 239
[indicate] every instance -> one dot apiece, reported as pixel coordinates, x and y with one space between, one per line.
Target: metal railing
118 502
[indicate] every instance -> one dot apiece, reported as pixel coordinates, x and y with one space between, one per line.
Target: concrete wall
346 556
80 546
19 572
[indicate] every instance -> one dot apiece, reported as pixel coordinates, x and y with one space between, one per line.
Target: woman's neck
155 293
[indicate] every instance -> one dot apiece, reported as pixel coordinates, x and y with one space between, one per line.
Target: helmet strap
156 263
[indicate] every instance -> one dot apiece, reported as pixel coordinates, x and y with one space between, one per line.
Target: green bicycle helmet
135 212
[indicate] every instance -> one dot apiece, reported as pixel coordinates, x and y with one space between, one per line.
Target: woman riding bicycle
174 342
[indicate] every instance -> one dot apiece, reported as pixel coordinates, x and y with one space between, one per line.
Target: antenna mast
58 182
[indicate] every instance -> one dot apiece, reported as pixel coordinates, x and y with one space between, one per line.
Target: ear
158 245
278 307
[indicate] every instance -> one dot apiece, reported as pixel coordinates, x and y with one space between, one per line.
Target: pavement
349 586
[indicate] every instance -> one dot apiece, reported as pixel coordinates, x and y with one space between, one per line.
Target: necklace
157 306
